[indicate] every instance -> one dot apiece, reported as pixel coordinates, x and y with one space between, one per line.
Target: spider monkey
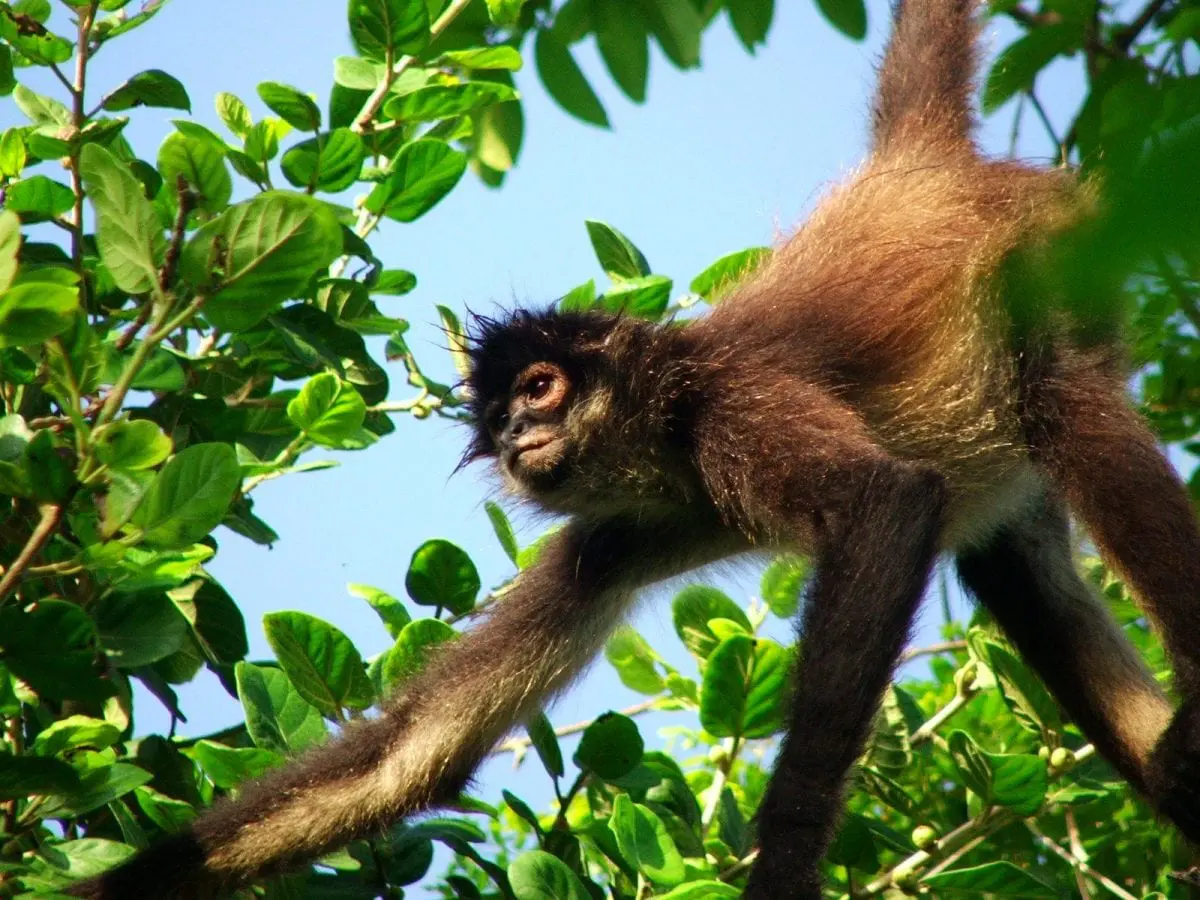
868 397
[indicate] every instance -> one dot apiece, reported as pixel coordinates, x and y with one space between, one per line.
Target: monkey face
528 427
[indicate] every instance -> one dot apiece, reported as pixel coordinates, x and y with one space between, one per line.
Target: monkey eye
539 387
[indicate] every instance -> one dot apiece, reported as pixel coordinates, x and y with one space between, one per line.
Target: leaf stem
362 122
78 119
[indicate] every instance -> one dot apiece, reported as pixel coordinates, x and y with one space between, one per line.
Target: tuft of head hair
500 348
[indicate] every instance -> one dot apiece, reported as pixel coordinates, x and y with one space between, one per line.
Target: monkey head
568 406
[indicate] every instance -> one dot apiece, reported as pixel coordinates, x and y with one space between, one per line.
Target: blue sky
717 160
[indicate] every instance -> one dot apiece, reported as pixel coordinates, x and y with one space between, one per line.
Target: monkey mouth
536 453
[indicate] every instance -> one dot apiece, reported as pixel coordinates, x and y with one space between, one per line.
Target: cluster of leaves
164 350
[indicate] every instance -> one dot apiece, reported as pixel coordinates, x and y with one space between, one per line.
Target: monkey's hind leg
1139 515
1025 577
874 555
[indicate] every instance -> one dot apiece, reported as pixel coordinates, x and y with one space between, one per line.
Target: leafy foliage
156 369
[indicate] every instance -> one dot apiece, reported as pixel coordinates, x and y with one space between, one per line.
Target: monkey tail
926 78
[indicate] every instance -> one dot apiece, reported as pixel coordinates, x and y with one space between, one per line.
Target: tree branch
52 514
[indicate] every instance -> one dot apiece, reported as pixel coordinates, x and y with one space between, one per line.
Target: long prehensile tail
926 79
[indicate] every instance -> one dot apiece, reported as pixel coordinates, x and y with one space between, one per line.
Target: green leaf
139 629
329 162
499 131
189 497
697 605
396 282
8 79
782 583
230 766
501 57
847 16
39 46
128 234
257 254
624 46
616 253
1003 879
167 813
564 80
1020 62
101 785
38 109
292 105
504 12
1019 781
277 717
634 661
390 610
743 693
646 297
10 245
131 444
539 876
1022 691
153 87
645 843
677 24
38 199
52 647
357 73
320 661
503 529
441 574
545 742
446 101
422 173
328 410
610 747
718 279
384 30
411 652
21 776
972 764
234 113
34 312
578 298
74 732
751 20
703 890
12 153
201 165
216 621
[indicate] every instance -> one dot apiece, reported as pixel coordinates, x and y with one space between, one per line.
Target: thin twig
186 202
1127 35
1079 865
138 324
518 745
362 122
931 649
52 514
78 119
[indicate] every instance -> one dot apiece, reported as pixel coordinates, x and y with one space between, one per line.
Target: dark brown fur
869 397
